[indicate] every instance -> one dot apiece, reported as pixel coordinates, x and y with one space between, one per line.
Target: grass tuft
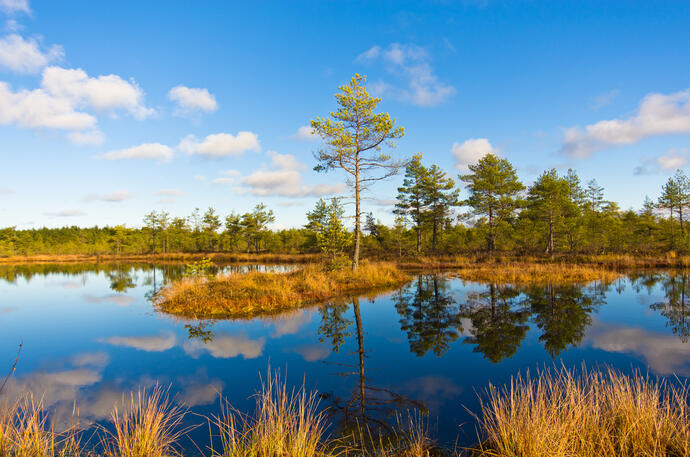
285 424
585 414
147 426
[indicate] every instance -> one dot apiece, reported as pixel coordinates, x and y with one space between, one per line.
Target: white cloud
313 352
40 109
5 191
305 133
102 93
117 196
15 6
470 151
410 64
658 114
66 213
285 180
223 181
88 137
64 98
220 144
157 151
669 161
22 55
158 343
190 100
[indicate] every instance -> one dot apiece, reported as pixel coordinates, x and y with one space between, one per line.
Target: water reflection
429 315
91 336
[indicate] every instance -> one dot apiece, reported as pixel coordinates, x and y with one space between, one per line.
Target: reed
537 274
265 293
585 414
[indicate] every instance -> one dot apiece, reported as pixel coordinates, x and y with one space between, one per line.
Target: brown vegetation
591 414
217 257
259 293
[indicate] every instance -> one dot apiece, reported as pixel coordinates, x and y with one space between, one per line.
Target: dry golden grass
263 293
147 426
217 257
285 424
528 274
587 414
25 431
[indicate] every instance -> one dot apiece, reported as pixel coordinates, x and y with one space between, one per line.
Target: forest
557 213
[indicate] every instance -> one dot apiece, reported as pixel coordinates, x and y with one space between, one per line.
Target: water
90 334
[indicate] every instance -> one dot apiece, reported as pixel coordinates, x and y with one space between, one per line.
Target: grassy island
255 293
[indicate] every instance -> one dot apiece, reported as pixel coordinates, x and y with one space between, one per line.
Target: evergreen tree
411 196
494 192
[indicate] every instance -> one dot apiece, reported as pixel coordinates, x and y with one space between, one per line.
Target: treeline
555 214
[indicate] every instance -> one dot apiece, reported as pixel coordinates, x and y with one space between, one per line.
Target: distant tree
326 221
494 190
210 224
440 195
255 224
399 231
152 223
550 203
411 202
354 137
233 229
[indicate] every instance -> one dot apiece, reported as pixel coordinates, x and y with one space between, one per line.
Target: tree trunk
358 225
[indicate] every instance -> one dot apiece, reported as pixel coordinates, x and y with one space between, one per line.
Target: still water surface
91 334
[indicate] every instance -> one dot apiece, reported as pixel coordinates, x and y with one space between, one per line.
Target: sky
111 109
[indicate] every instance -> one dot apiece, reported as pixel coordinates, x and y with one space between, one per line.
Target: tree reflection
121 279
563 313
429 315
498 321
675 307
201 330
367 406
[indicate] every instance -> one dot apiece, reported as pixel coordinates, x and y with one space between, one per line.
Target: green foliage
199 269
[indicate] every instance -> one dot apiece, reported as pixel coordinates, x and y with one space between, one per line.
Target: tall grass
146 426
259 293
26 432
285 424
586 414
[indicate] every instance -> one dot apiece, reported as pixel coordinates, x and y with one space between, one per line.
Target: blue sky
111 109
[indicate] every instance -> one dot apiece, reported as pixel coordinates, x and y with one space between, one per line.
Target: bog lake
91 335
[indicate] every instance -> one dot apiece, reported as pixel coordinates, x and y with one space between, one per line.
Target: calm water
90 334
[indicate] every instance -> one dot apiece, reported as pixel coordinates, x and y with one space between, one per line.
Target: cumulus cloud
65 213
157 151
658 114
411 65
117 196
220 144
158 343
305 133
471 151
15 6
22 55
283 178
64 99
103 93
190 100
225 346
669 161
